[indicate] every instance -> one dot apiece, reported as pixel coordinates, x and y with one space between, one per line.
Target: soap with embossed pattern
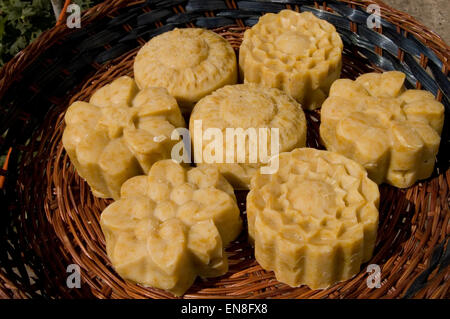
296 52
190 63
171 226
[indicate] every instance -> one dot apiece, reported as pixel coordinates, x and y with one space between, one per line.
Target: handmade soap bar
315 221
296 52
170 226
239 112
190 63
120 133
393 133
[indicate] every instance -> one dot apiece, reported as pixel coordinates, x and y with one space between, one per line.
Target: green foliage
23 21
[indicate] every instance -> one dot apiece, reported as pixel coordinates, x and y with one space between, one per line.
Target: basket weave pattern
50 218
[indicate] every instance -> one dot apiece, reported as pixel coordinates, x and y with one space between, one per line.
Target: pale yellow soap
239 112
393 133
170 226
190 63
296 52
120 133
315 221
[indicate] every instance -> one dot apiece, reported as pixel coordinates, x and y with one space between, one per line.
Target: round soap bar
190 63
393 133
249 119
296 52
315 221
170 226
120 133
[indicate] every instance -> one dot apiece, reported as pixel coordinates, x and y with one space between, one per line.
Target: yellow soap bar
170 226
190 63
296 52
238 112
314 222
393 133
120 133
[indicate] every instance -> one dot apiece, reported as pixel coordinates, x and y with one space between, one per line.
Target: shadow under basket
50 219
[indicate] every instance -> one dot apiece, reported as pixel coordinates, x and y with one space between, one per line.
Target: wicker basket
50 218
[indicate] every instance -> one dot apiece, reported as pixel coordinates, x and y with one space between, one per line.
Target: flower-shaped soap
393 133
170 226
315 221
190 63
120 133
241 112
296 52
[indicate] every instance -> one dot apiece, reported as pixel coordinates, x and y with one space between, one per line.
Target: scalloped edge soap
243 107
171 226
296 52
190 63
314 222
